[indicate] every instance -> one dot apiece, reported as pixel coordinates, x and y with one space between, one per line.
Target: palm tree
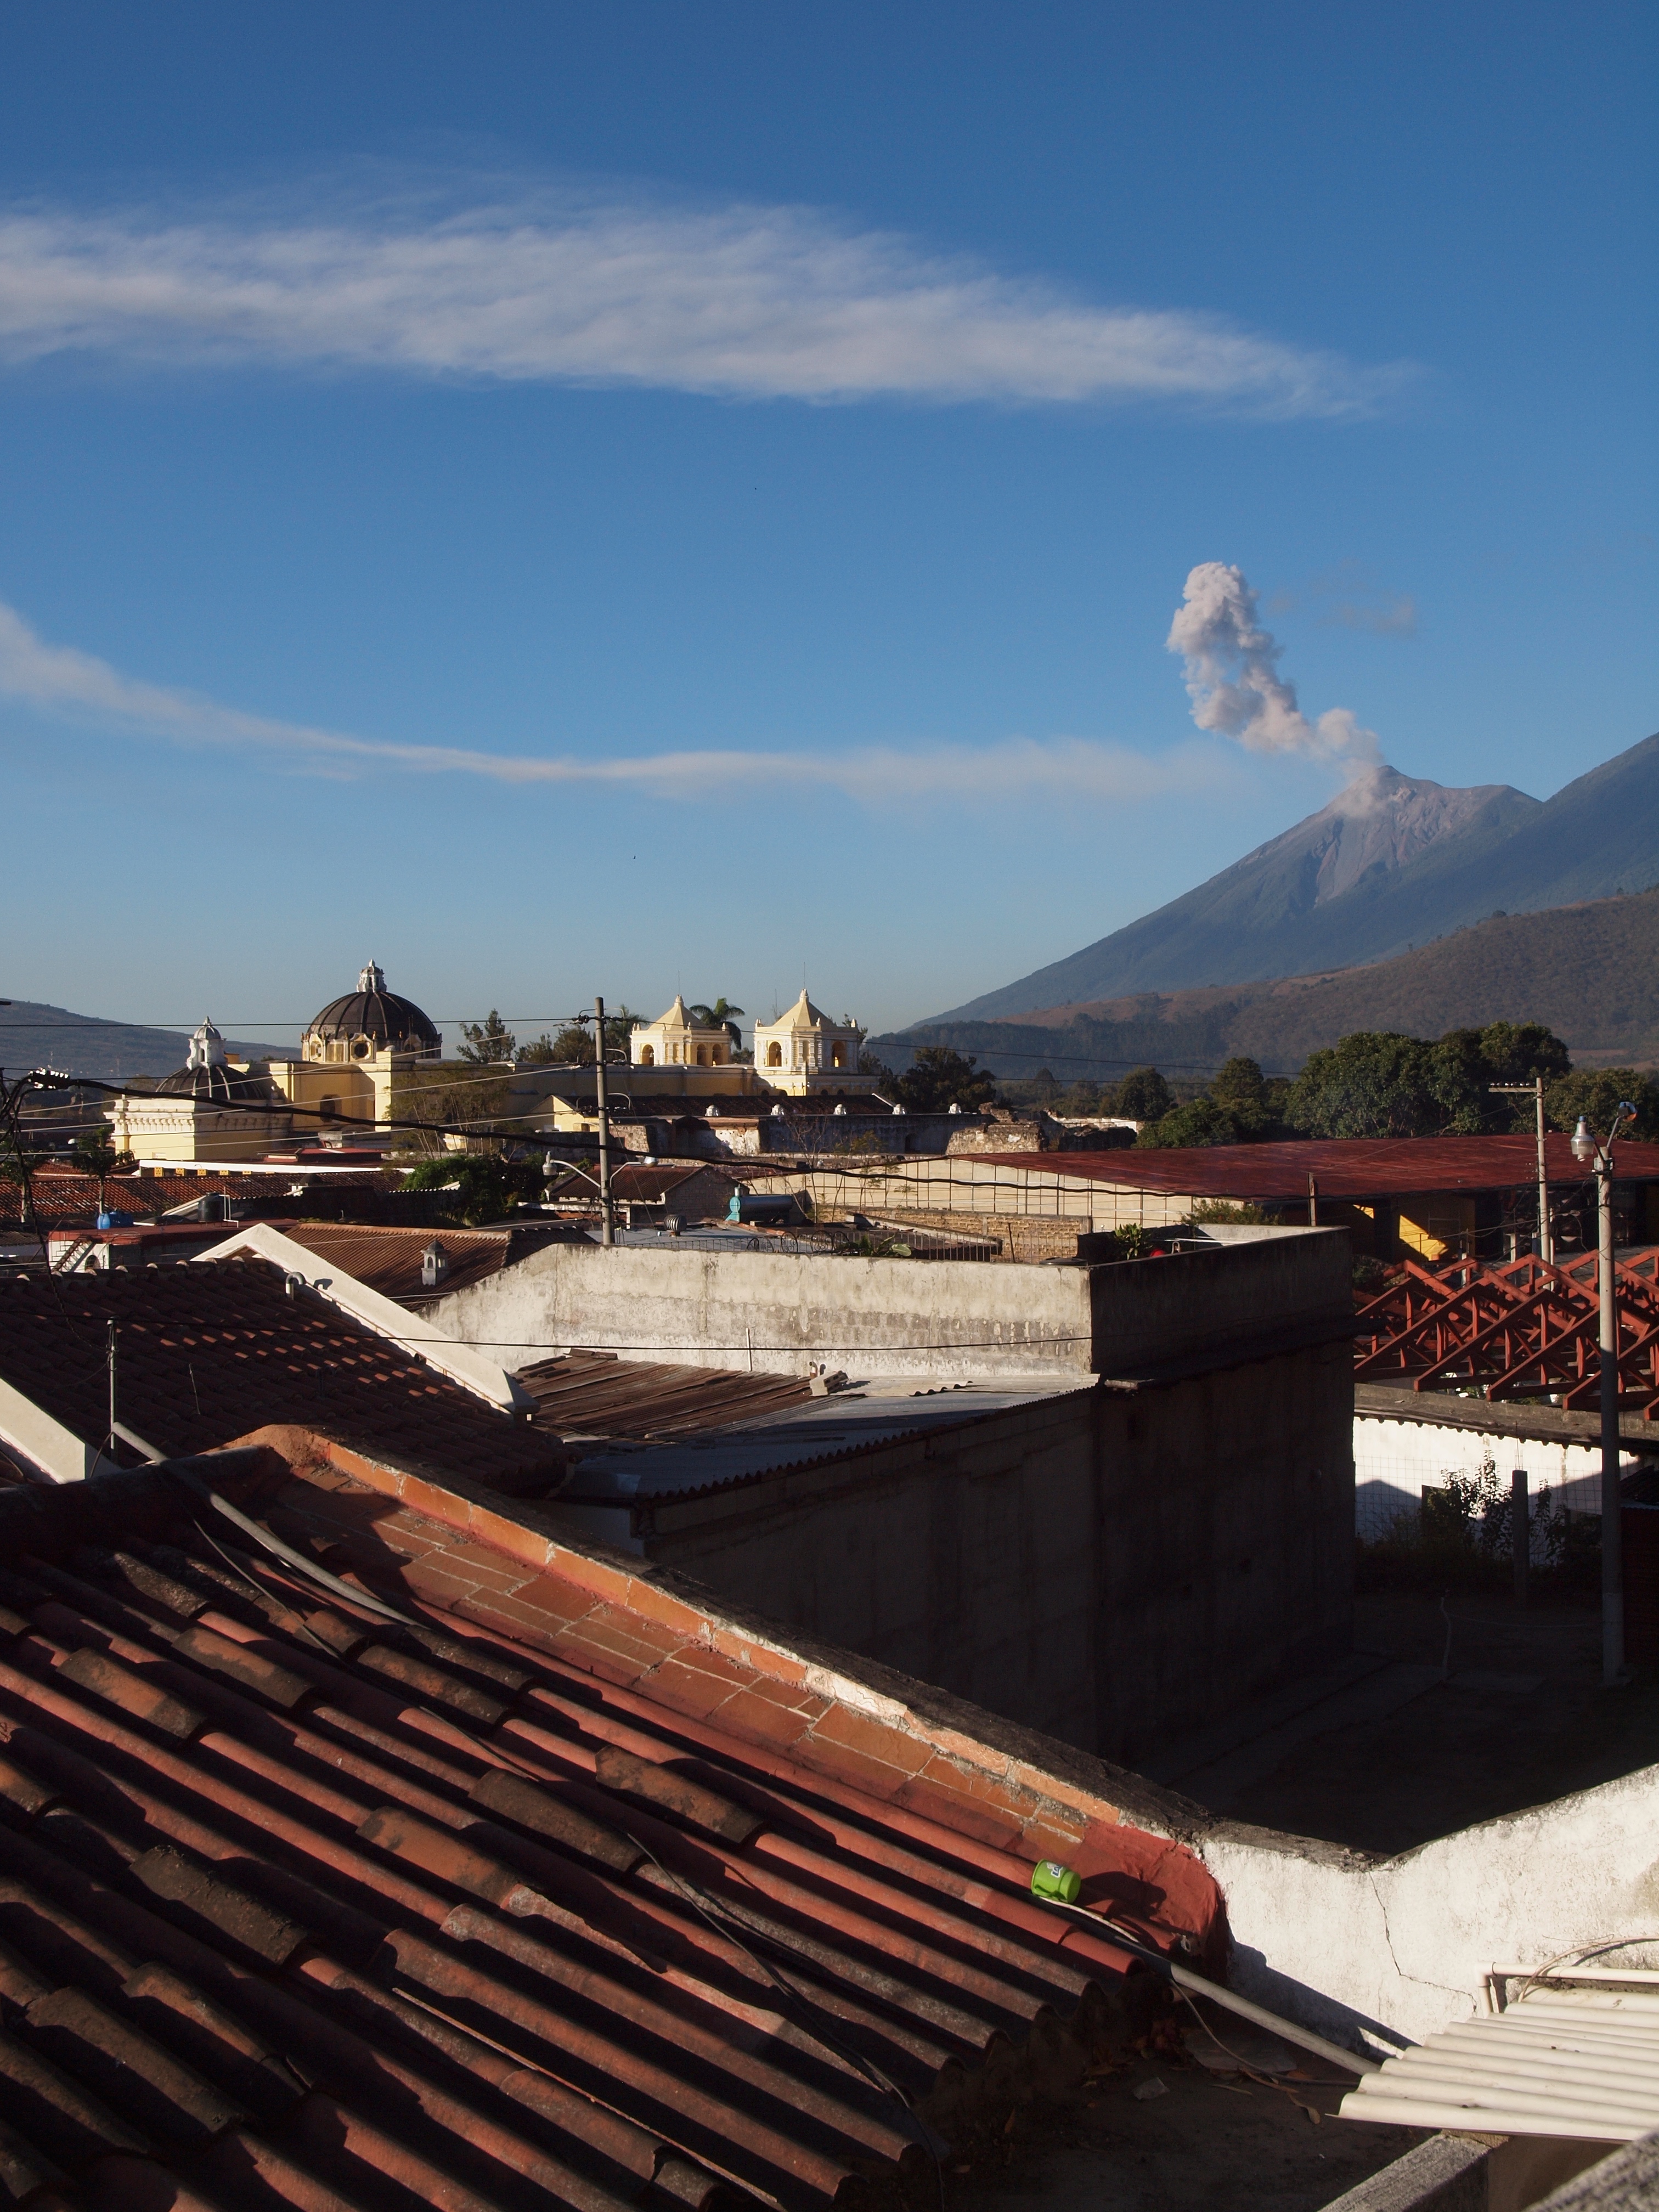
722 1015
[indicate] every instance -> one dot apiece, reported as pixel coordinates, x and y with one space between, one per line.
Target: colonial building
804 1051
356 1054
213 1108
673 1040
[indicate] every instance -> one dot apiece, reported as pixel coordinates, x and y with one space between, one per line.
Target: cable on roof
273 1543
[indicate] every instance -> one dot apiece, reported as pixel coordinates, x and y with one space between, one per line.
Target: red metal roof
305 1908
1343 1167
208 1351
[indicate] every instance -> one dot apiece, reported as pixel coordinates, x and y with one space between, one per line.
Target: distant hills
1590 972
1392 863
34 1034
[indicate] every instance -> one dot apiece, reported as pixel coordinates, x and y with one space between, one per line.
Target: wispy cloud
741 301
1394 617
60 680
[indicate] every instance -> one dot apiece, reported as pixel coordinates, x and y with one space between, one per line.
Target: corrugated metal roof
1344 1168
1569 2057
595 1394
833 1428
303 1908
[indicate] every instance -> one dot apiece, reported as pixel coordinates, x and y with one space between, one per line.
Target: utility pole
607 1221
1599 1157
1545 1234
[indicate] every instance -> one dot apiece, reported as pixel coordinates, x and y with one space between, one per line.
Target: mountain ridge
35 1035
1589 972
1422 858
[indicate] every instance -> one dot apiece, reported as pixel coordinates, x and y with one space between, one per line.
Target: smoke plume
1233 678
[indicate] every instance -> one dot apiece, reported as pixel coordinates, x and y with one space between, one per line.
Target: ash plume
1233 679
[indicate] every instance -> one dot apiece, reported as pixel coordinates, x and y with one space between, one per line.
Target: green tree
1597 1094
939 1078
1143 1096
572 1045
1374 1083
1255 1102
1200 1121
488 1041
484 1187
722 1015
95 1153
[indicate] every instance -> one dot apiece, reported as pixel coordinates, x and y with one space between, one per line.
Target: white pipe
1334 2054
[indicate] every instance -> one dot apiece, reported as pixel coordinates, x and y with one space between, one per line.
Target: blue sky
562 500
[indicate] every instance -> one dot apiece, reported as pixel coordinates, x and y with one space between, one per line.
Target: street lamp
1599 1159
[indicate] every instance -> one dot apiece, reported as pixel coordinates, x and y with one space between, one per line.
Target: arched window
774 1054
647 1055
703 1055
841 1055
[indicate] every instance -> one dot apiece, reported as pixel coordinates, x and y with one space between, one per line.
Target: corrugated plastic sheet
300 1907
1343 1168
1580 2061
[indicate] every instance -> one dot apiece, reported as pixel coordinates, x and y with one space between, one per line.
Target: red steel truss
1520 1329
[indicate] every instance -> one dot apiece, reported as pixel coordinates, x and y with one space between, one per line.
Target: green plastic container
1050 1879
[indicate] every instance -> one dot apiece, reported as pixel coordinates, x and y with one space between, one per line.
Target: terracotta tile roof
560 1894
388 1259
595 1394
208 1351
643 1186
1344 1168
64 1194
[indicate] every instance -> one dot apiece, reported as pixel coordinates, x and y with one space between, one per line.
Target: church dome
207 1075
370 1019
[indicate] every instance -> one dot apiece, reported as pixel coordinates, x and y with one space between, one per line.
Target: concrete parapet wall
777 1313
1350 1943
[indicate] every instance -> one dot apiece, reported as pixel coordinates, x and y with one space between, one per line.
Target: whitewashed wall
1394 1462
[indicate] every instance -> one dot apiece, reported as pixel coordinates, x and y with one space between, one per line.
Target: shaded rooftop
526 1897
206 1351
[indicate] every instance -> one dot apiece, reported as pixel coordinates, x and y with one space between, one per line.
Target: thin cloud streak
59 679
748 302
